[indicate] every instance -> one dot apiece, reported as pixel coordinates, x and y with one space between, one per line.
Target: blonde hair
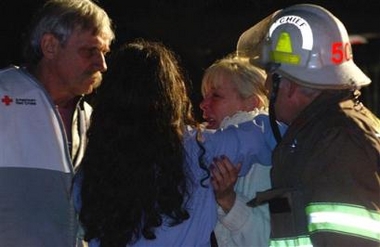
248 79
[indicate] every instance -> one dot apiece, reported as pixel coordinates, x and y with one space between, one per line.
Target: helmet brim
345 76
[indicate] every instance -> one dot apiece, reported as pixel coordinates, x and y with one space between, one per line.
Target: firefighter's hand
223 178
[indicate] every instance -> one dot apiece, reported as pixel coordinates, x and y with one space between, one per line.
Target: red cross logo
7 100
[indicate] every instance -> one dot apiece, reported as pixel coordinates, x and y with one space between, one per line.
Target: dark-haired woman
144 180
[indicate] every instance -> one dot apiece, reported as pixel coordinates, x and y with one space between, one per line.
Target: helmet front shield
251 42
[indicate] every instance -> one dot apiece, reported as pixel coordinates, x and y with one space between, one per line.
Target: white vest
36 170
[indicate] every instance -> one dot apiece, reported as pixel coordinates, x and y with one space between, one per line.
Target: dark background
201 31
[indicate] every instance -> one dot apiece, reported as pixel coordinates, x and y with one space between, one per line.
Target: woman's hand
223 178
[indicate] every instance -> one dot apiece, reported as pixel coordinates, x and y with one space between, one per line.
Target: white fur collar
241 117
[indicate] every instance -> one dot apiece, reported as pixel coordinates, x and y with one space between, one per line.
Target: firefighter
326 167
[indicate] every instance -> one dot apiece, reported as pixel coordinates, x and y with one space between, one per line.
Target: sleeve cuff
237 216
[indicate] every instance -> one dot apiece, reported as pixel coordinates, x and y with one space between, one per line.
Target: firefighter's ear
291 88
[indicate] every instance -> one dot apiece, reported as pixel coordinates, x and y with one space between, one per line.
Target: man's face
78 65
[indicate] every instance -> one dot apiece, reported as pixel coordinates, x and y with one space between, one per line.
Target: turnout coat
325 176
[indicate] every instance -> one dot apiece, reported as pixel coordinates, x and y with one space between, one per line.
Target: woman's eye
215 95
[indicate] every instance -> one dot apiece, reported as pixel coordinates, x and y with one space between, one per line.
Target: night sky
199 31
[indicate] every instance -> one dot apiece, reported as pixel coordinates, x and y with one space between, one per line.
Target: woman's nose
204 104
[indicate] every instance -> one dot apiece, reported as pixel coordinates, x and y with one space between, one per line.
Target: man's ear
291 88
49 45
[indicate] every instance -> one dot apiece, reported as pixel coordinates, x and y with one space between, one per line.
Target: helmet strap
276 79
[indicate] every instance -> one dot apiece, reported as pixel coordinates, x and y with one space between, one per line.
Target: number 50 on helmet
306 43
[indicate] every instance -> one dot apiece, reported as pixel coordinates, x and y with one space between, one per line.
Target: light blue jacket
245 226
247 143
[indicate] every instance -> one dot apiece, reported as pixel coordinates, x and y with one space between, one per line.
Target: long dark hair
133 169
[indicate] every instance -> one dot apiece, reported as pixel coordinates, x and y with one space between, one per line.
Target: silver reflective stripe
301 241
344 218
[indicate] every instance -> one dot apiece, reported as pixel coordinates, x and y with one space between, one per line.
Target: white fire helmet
306 43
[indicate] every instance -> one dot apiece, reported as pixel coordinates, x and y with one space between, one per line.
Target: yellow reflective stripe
301 241
343 218
283 57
